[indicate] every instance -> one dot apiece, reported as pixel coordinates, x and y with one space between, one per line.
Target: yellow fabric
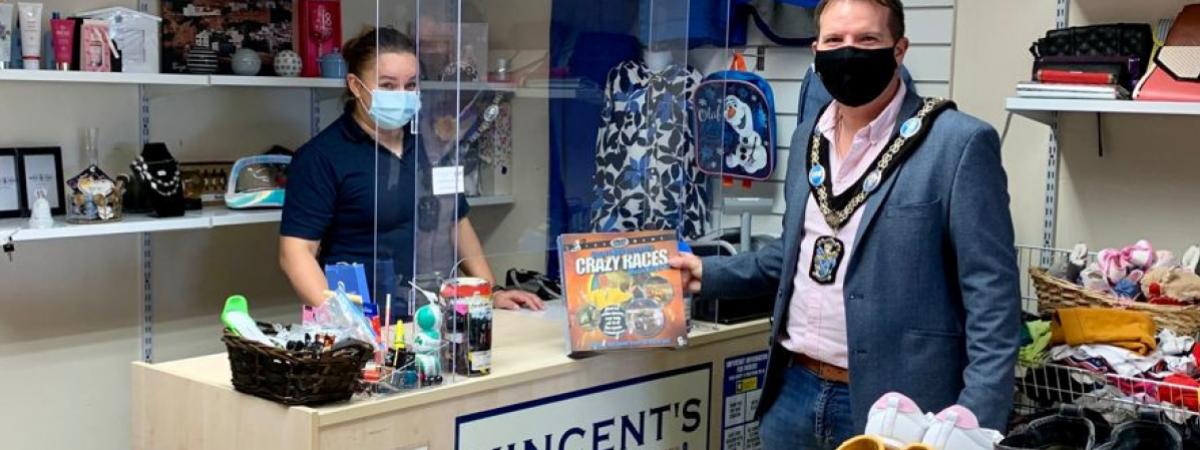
919 446
863 443
1131 330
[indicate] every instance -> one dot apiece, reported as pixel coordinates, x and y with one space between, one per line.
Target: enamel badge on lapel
872 181
828 251
816 176
910 127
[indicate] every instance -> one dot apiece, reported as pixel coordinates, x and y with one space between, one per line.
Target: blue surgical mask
392 110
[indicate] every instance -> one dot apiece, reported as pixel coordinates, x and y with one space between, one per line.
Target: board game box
620 293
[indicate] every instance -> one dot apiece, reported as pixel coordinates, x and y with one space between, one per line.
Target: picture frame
12 187
41 168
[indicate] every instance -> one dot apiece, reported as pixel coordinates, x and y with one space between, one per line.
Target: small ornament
41 212
288 64
201 59
246 62
333 65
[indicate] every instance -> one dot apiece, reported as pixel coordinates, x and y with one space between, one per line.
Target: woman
352 190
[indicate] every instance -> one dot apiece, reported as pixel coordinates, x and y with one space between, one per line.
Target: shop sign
664 411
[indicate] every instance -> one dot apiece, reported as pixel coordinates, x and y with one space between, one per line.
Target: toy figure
428 342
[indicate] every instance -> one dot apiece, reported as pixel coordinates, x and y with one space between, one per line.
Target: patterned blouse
646 172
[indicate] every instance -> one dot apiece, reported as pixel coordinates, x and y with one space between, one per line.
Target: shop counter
535 397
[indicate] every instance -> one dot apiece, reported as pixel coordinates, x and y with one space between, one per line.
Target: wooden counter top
526 348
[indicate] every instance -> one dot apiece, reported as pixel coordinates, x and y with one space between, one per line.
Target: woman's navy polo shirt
335 182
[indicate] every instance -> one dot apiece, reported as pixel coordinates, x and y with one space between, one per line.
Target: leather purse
1159 84
1127 40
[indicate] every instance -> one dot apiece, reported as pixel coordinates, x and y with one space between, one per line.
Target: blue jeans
810 414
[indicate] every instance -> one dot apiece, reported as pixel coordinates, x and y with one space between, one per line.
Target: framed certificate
12 194
41 169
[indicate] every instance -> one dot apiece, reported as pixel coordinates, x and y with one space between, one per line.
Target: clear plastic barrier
536 119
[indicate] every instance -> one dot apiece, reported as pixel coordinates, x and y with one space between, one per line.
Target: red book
1075 77
320 33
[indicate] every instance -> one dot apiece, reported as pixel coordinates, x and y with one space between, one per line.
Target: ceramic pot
246 62
202 60
288 64
333 66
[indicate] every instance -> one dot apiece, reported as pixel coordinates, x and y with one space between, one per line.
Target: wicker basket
295 378
1054 293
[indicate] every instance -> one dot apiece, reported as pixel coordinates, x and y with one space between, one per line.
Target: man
897 269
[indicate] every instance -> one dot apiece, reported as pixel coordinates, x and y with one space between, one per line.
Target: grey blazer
931 291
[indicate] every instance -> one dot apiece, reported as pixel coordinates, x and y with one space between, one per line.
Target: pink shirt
817 314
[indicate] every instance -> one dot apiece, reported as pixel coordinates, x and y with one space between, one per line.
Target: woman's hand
516 299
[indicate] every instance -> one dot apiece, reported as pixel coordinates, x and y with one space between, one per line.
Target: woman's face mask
391 110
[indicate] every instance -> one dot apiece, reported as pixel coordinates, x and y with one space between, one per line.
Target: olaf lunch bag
735 124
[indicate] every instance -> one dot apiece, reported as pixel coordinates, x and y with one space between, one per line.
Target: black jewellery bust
160 186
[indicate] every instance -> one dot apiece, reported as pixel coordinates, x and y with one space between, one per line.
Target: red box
320 32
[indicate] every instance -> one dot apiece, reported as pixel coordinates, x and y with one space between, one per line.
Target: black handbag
157 173
1128 40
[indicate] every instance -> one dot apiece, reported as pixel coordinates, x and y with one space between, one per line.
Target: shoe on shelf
1071 428
897 421
957 428
1149 432
864 442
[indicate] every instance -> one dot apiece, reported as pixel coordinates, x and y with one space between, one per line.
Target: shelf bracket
147 330
1062 11
146 250
314 111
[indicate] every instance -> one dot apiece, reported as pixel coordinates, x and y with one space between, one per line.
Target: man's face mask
855 76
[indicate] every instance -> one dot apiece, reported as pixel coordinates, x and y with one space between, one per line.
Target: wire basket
295 378
1118 397
1050 385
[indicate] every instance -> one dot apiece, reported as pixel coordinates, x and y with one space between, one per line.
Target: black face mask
856 76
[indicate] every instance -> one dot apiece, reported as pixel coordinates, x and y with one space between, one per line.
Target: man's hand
692 268
514 299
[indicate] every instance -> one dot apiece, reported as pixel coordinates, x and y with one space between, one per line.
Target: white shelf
167 79
56 76
283 82
473 86
1043 109
209 217
164 79
492 200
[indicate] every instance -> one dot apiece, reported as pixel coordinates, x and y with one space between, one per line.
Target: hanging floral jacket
646 172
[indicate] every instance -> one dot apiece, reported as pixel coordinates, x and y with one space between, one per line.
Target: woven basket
1054 293
295 378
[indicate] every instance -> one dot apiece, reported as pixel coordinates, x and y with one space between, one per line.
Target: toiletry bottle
7 36
30 15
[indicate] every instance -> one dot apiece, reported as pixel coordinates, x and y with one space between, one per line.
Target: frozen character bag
735 124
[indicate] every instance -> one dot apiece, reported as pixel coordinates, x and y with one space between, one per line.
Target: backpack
735 125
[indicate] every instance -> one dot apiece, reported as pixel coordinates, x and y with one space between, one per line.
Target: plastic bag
341 314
